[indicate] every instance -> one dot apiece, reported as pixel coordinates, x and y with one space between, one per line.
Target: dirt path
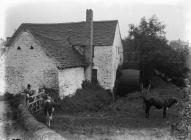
112 128
126 134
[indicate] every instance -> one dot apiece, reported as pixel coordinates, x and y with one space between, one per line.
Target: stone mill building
63 55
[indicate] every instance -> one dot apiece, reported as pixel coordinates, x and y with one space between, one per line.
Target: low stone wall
38 129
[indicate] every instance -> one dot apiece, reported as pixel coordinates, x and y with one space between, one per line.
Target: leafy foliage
15 114
149 46
89 98
183 127
54 94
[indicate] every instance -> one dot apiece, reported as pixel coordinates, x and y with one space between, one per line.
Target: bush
90 98
89 85
178 82
147 42
116 89
13 102
54 94
184 124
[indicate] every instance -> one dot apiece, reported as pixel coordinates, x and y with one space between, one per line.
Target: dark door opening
94 76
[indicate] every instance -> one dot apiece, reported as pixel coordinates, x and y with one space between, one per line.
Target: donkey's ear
141 86
149 85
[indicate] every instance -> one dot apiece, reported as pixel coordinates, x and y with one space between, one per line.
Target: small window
32 48
18 48
94 76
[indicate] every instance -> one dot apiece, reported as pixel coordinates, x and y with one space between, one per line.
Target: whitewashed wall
106 60
70 80
2 74
28 66
103 62
117 58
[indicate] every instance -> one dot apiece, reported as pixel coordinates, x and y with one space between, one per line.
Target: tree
150 44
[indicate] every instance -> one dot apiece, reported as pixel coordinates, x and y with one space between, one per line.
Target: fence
34 102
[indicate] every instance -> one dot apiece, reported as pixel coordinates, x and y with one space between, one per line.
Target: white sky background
176 14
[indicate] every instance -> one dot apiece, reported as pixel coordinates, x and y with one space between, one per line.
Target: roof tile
56 39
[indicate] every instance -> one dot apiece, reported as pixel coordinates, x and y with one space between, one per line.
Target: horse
48 109
158 102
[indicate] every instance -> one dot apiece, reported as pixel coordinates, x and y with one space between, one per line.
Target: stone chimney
89 46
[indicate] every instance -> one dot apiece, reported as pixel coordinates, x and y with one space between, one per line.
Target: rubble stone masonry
26 63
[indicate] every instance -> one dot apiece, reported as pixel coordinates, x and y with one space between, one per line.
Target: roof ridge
61 23
106 20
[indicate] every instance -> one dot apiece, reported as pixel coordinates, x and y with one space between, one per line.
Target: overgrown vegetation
14 114
91 97
126 114
147 44
183 127
54 94
13 102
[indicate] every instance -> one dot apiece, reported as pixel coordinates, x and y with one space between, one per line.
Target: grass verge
91 112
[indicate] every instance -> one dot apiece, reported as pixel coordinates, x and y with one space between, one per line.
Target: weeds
13 102
183 127
91 97
14 114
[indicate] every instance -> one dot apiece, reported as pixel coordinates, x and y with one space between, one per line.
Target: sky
175 14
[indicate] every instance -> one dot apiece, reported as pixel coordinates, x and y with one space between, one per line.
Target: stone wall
70 80
26 63
117 58
37 129
2 75
103 63
106 60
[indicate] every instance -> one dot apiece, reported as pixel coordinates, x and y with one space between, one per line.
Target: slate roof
55 38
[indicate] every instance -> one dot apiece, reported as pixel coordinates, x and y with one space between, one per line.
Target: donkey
160 103
48 109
